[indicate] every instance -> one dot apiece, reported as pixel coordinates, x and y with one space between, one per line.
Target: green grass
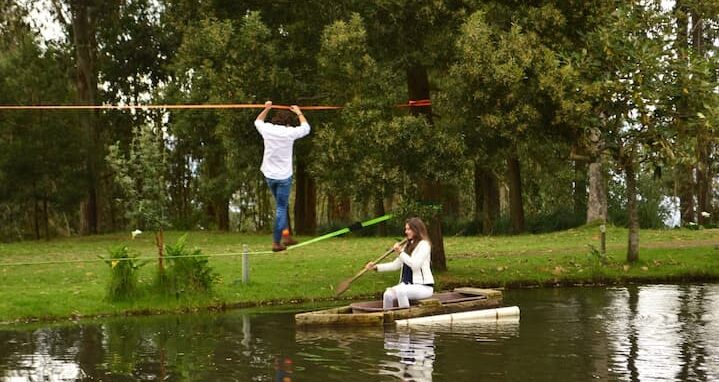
310 273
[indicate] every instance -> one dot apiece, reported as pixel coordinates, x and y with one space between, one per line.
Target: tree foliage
41 155
140 173
521 93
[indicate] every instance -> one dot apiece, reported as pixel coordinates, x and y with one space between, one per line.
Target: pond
635 333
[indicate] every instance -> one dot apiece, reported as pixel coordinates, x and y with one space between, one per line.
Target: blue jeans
281 191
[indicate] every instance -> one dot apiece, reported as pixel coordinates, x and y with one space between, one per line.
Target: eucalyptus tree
221 61
296 29
279 65
118 49
693 104
513 81
79 20
41 156
134 47
351 153
411 39
369 64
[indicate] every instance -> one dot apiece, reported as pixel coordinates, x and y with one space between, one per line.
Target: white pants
402 293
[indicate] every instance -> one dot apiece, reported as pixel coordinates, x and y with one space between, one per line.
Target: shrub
187 271
557 220
123 283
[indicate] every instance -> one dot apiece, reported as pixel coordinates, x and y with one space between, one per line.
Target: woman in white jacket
416 280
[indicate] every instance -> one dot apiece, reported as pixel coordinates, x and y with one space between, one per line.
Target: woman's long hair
420 230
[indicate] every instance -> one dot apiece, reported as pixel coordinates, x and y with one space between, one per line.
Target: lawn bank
75 286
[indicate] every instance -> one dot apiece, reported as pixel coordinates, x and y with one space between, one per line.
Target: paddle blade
343 286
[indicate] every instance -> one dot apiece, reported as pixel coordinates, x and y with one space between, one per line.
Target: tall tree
624 67
693 75
352 77
79 18
397 152
135 45
509 76
221 62
412 38
41 154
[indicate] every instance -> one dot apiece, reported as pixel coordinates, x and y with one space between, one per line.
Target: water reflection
411 356
404 354
283 369
39 367
663 332
636 333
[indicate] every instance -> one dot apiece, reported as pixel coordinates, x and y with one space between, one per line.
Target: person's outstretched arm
263 114
296 109
304 127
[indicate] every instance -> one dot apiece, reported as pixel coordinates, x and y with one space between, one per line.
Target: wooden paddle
344 285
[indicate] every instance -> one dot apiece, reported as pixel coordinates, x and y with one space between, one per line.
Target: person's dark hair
416 225
283 117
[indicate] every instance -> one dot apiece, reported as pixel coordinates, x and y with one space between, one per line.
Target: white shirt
279 140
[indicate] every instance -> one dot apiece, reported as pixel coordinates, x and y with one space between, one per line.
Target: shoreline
307 277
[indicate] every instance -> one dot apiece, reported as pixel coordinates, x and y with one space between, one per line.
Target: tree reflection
633 301
692 310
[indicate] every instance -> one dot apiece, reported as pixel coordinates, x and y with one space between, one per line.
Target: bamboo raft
370 313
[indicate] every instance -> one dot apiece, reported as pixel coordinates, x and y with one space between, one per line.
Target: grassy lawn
310 273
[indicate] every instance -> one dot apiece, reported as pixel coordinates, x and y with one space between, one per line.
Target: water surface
637 333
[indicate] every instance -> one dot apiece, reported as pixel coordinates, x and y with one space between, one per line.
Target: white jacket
419 262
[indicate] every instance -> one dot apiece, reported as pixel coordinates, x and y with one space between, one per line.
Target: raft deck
370 313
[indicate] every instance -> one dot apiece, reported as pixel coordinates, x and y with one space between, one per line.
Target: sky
43 20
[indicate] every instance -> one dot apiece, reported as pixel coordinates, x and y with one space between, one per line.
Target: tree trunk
478 192
379 210
703 140
36 218
450 202
223 214
704 179
486 193
160 243
685 188
431 190
597 201
491 205
46 218
631 179
83 31
217 211
684 173
218 202
580 188
305 201
705 165
339 209
516 206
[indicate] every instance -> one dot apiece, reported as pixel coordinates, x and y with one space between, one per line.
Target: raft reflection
408 354
412 356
